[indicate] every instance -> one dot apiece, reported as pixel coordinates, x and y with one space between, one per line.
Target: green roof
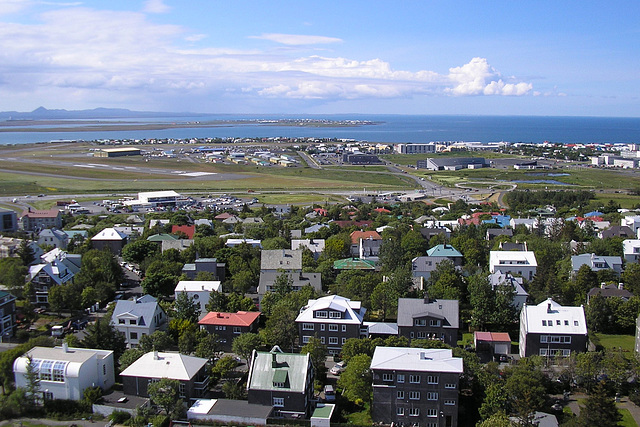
324 411
161 237
269 368
280 376
354 264
444 251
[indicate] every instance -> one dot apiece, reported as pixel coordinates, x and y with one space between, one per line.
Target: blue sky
549 58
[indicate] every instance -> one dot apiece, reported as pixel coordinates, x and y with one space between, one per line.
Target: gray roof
284 259
410 308
381 328
144 311
290 367
457 161
499 278
416 359
298 280
592 260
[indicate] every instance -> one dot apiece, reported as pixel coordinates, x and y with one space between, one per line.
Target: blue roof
594 213
444 251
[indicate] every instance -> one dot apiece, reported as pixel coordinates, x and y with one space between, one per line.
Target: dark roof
410 308
618 231
610 291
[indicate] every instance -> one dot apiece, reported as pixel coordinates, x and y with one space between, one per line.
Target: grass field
626 342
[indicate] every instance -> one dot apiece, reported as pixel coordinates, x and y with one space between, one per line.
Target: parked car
338 368
329 393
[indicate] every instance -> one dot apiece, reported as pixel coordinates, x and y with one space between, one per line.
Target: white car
338 368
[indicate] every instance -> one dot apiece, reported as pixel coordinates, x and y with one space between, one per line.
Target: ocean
388 129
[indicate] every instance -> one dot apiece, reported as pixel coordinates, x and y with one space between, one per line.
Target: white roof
564 320
150 194
198 285
160 365
353 310
109 234
497 258
416 359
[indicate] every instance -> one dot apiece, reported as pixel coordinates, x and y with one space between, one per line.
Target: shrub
119 417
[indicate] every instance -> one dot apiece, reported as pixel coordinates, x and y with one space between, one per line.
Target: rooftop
415 359
241 318
174 366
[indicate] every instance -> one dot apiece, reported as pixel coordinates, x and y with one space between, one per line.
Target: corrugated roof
416 359
444 251
110 234
241 318
492 336
557 319
261 373
353 312
410 308
354 264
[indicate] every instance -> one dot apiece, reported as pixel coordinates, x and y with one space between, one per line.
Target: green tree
224 366
159 341
139 250
631 277
318 353
337 247
233 391
244 344
356 379
102 335
166 394
25 252
217 302
32 383
186 308
391 254
599 409
526 392
481 298
129 356
242 281
56 299
208 345
12 274
495 400
446 282
159 283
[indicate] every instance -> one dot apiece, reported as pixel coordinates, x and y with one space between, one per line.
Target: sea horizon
388 128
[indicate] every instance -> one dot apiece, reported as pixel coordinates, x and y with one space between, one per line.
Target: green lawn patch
627 419
362 418
626 342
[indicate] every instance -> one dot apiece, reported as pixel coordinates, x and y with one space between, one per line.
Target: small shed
494 342
321 416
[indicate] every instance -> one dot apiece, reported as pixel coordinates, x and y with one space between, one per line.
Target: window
575 323
344 340
333 328
434 323
120 321
305 339
414 412
544 323
387 377
400 411
322 340
307 326
421 335
321 314
557 339
432 395
278 402
322 326
236 330
132 321
344 328
450 402
566 323
558 323
415 379
335 315
400 378
181 389
419 322
400 395
432 379
414 395
133 335
333 340
45 370
549 322
450 386
47 395
58 371
432 412
104 369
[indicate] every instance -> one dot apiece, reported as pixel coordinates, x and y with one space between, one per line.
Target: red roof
321 211
357 235
382 210
223 216
189 230
492 336
241 318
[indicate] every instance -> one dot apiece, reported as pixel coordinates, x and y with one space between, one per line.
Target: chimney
603 285
274 361
549 308
621 286
155 355
65 347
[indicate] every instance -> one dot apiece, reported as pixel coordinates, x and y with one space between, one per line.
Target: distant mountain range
42 113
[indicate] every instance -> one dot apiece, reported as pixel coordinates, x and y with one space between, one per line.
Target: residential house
492 233
422 266
65 372
191 373
421 318
34 220
365 244
56 267
631 250
187 230
549 329
415 386
631 221
610 291
232 243
492 342
316 246
137 318
53 237
617 231
354 264
7 314
522 263
283 381
529 223
596 263
297 281
111 239
209 265
227 326
333 319
507 279
429 232
198 290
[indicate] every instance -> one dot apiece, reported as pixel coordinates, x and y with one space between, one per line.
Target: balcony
202 385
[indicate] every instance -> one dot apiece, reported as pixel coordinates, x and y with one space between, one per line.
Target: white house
65 372
631 250
521 263
53 237
137 318
631 221
199 290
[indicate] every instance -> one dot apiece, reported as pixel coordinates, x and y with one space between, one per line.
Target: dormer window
335 315
321 314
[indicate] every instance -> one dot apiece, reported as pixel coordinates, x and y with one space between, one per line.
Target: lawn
626 342
627 419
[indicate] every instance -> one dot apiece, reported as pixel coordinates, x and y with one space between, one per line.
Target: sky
548 58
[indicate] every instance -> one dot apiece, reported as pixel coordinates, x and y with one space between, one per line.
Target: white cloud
156 6
297 39
12 6
478 78
63 56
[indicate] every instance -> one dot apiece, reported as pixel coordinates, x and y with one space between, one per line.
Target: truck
57 331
